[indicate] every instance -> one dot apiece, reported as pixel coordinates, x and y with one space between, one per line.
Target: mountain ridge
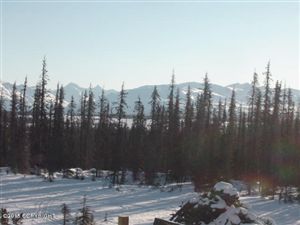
144 92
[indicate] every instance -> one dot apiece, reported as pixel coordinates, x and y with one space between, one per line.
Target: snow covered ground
142 204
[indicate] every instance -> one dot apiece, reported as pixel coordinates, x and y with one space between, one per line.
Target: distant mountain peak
144 92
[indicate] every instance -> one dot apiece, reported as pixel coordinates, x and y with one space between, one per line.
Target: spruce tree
102 135
231 136
85 216
118 152
297 127
83 129
39 135
240 167
253 96
189 111
71 136
187 142
2 129
153 145
35 129
137 138
207 97
121 107
168 156
13 130
276 112
44 129
104 111
171 124
266 121
23 148
5 138
56 153
290 113
155 104
65 210
257 137
204 106
176 154
90 146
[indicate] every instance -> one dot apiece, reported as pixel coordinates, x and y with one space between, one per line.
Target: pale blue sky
141 42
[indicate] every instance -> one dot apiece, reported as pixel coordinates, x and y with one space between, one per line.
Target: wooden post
123 220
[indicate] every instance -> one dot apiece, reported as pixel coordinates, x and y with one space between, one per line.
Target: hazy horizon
93 85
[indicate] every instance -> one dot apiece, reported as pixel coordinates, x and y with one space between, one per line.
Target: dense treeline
185 138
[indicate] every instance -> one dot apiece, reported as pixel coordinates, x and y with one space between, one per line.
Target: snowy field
142 204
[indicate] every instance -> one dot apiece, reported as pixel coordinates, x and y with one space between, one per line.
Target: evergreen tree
207 96
253 133
155 105
85 216
215 141
168 154
297 127
13 130
202 129
56 153
204 107
23 148
176 154
199 113
35 128
240 166
164 138
253 96
121 107
276 112
171 123
71 137
290 113
189 111
90 146
118 153
188 137
39 134
267 127
83 128
257 137
137 138
104 111
103 135
267 96
44 129
231 136
2 131
65 210
177 114
153 145
4 138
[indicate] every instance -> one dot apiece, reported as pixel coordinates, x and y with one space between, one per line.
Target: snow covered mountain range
144 92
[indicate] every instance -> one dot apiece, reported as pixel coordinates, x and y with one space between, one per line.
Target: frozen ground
142 203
